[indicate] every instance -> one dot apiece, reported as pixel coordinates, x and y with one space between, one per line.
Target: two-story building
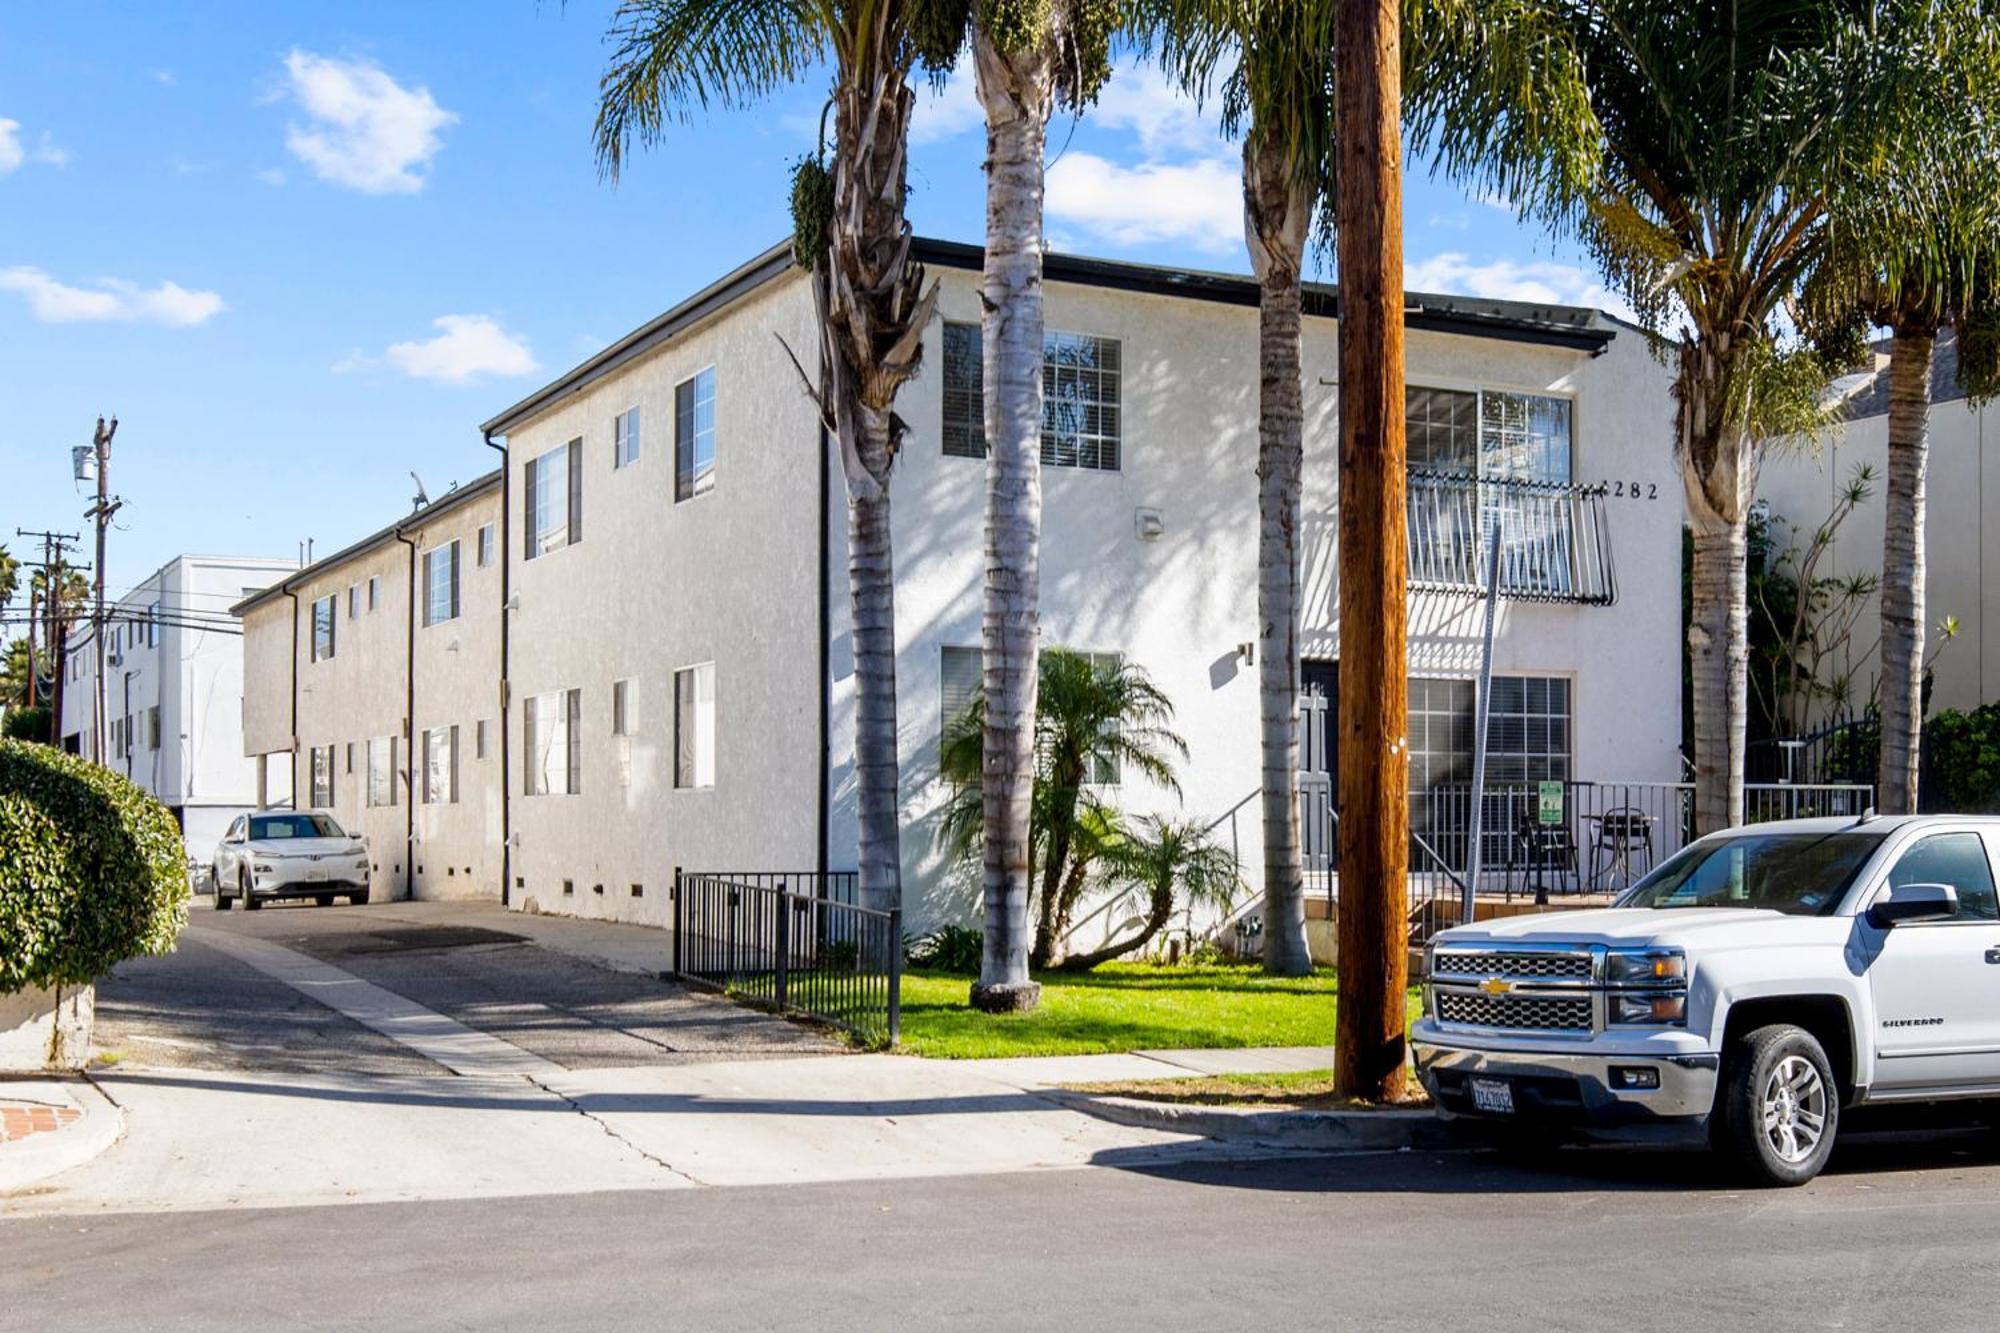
173 689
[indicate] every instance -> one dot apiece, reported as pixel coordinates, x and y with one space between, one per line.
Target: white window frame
552 744
488 542
332 639
539 500
441 765
441 559
381 780
627 438
691 480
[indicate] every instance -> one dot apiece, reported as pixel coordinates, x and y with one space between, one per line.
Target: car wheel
250 903
324 900
1778 1107
358 899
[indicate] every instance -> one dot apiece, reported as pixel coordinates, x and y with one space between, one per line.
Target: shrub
27 724
1962 754
92 870
949 949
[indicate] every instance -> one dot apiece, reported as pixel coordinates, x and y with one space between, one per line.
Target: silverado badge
1496 986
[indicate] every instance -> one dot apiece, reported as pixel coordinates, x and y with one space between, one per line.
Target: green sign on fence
1549 803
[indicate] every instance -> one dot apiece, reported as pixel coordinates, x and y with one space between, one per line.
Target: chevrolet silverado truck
1743 992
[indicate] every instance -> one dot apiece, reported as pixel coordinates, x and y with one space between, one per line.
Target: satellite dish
422 497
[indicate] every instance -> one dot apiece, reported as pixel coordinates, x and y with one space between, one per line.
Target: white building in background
662 653
173 689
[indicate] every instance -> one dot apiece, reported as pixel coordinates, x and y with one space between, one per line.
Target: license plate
1492 1094
315 877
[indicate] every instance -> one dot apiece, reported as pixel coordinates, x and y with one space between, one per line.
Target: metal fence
795 942
1555 539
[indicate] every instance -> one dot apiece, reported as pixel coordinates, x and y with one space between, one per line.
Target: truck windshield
264 828
1804 874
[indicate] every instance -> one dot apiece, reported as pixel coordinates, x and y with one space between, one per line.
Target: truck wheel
1778 1106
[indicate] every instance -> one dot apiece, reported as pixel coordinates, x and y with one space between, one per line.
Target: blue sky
304 249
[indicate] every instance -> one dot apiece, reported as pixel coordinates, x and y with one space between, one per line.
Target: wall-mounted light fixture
1149 524
1247 650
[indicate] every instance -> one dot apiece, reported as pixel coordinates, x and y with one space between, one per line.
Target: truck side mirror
1914 902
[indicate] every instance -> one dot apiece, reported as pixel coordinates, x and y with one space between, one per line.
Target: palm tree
1097 719
1914 249
10 573
671 58
1028 57
1273 60
1173 863
1727 126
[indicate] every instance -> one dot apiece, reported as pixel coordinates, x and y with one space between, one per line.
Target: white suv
1745 991
289 854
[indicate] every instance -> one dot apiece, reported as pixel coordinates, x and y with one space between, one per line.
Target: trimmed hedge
92 870
27 724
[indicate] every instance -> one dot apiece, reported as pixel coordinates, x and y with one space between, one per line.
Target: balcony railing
1555 539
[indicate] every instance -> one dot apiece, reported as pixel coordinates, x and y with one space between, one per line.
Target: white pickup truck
1745 990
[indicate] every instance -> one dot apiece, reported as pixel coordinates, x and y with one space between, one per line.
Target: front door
1319 761
1937 983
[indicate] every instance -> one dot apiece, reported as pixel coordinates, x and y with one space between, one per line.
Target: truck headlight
1645 967
1649 1010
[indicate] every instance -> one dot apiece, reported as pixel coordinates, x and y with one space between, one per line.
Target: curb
43 1155
1304 1131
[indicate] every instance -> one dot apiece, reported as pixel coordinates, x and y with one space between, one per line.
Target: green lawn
1122 1007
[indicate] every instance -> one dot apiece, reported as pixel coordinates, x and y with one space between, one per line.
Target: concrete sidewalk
48 1125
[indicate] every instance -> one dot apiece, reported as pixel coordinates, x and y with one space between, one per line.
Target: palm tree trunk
1902 596
1016 91
1159 912
871 584
1370 1040
1277 212
1719 650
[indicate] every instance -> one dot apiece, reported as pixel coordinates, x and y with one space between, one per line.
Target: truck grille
1526 1013
1524 963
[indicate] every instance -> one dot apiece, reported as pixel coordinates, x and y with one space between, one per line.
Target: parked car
289 854
1745 992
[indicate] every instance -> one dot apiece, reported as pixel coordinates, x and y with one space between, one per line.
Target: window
1081 424
322 776
1488 432
625 437
1957 859
353 601
554 499
552 743
623 703
441 584
153 626
958 685
374 591
1527 730
694 726
322 629
153 727
382 771
479 739
694 436
350 759
441 766
486 545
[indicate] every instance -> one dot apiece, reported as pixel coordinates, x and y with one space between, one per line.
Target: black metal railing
1555 538
797 943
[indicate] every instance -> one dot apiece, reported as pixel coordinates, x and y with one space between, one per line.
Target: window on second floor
554 500
323 622
1082 423
374 591
694 436
486 545
1494 433
625 437
441 584
353 601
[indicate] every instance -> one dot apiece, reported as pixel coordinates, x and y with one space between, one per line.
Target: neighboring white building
1802 483
173 689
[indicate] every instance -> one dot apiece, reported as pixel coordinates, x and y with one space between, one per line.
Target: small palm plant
1174 863
1098 720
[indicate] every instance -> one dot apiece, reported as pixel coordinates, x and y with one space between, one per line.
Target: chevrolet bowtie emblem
1496 985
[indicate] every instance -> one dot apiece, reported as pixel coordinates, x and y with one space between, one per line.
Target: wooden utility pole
1370 1027
100 513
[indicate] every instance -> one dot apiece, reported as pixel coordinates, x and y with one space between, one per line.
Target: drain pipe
287 590
506 688
409 726
825 684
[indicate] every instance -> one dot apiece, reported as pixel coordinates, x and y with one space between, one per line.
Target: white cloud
1141 98
946 112
56 302
1199 202
1543 281
271 176
13 153
467 347
366 131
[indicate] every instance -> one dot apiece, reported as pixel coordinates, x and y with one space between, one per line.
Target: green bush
1963 755
92 870
27 724
948 949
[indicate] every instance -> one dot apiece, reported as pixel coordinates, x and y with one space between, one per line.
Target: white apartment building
678 668
173 689
374 693
1802 482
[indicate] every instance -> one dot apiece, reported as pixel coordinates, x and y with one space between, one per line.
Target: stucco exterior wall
1802 481
728 577
1181 605
267 680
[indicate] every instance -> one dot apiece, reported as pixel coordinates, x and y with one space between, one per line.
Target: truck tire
1778 1107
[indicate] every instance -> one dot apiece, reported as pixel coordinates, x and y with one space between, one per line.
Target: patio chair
1538 849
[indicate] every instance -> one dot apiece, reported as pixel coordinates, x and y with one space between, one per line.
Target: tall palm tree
671 58
1273 61
1094 717
1916 247
1727 126
1029 56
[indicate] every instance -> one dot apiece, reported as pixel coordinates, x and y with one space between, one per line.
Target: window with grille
553 500
1492 433
1081 410
441 584
625 438
694 436
694 726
